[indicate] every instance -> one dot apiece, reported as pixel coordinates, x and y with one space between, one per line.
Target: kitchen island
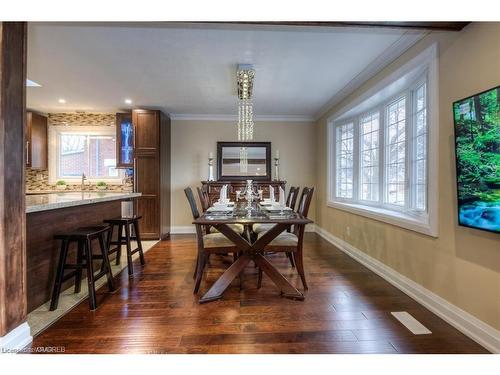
58 212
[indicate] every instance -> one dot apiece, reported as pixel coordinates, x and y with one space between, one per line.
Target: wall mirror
232 164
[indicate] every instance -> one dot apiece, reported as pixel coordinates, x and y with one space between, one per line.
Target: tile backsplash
81 119
38 179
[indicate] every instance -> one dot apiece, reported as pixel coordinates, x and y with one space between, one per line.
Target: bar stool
125 222
84 259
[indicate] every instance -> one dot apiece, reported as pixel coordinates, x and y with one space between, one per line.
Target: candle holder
276 169
210 169
249 194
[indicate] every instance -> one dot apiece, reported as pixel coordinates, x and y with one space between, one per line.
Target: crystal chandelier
244 78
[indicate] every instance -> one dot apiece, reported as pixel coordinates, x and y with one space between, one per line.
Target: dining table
250 247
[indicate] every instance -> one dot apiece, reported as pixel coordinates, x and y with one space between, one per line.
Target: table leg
217 289
287 289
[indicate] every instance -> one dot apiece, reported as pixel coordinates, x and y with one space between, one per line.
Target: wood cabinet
152 171
36 141
124 141
213 188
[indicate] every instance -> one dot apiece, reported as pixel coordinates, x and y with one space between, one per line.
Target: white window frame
55 131
405 217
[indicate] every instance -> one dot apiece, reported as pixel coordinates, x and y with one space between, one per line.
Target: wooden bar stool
84 258
125 222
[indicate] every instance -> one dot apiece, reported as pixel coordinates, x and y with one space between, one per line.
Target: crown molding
233 118
391 53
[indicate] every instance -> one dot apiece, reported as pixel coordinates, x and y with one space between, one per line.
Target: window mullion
356 160
333 162
408 150
381 140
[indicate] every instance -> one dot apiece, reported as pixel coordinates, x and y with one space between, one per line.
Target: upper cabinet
124 140
36 141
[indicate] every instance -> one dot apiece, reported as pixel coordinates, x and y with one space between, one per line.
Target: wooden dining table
248 249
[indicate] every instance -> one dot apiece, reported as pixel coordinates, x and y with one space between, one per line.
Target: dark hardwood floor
346 310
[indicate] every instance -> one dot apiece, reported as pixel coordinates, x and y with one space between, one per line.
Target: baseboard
189 229
16 339
482 333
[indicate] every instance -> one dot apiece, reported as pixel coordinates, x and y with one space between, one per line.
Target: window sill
88 181
400 219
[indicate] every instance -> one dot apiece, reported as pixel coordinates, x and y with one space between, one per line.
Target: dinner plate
219 209
264 203
276 209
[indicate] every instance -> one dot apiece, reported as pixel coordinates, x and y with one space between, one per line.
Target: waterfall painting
477 150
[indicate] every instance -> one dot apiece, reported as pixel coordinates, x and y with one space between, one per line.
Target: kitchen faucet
83 181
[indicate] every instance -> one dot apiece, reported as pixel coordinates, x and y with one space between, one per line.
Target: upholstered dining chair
292 243
291 200
213 243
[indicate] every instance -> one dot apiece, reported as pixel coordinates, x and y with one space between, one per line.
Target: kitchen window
380 151
77 150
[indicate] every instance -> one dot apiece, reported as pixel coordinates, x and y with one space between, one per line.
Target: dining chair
213 243
290 202
292 242
205 204
292 197
204 200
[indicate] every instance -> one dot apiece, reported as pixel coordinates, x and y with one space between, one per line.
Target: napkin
281 197
222 194
271 193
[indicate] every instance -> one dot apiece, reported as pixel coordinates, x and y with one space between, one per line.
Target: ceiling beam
444 26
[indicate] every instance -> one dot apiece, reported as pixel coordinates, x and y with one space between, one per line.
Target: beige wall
193 140
462 265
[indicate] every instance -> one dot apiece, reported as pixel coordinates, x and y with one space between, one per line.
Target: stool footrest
74 266
134 251
68 276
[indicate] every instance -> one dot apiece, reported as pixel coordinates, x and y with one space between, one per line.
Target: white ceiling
189 70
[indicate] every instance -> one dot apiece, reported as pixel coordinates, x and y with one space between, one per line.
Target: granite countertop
52 201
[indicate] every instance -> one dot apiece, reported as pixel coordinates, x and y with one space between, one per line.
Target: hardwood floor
346 310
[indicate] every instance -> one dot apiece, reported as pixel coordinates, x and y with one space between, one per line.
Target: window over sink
77 150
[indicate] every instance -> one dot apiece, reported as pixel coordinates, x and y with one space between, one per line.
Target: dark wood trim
13 37
443 26
267 145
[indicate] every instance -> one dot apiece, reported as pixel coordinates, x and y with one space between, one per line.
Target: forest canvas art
477 140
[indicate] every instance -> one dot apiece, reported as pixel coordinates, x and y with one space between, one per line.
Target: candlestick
210 168
276 169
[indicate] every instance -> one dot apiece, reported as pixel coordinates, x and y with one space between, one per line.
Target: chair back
289 197
192 202
292 197
303 209
305 201
203 198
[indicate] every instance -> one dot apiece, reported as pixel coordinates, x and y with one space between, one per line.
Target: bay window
380 151
399 183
